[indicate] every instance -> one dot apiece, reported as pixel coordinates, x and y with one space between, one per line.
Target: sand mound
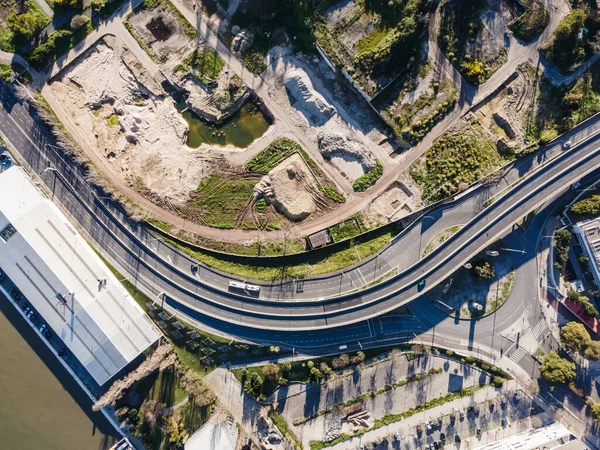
309 102
345 152
289 187
146 141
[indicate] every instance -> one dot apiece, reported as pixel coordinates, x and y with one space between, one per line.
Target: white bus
243 286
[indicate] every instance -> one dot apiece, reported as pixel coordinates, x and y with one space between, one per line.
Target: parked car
462 414
516 393
428 425
442 437
397 437
436 445
478 431
504 422
457 437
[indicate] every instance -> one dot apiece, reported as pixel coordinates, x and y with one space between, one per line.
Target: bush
562 239
593 351
286 366
358 359
582 300
72 4
79 21
340 362
27 25
485 270
595 410
587 206
368 179
43 53
497 382
270 371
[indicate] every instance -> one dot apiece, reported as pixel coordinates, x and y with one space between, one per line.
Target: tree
253 384
315 375
575 337
587 206
286 366
596 412
359 358
270 370
79 21
485 270
592 351
27 25
556 370
74 4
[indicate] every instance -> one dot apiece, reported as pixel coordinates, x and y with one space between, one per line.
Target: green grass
282 148
5 72
346 229
367 180
206 63
220 200
532 22
161 386
112 120
328 259
453 163
439 240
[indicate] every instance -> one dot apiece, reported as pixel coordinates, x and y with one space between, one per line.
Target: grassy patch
346 229
206 64
5 72
112 120
282 148
282 425
454 162
532 22
220 200
367 180
439 240
317 262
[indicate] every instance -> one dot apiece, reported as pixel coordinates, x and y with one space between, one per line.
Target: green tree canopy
575 337
593 351
27 25
557 370
596 412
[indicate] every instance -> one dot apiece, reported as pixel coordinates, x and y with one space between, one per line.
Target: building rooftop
67 283
589 235
549 437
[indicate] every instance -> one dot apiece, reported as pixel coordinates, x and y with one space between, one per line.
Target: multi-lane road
290 317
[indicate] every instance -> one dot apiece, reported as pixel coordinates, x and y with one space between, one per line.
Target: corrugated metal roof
59 274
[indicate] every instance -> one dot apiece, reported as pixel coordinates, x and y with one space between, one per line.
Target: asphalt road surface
283 320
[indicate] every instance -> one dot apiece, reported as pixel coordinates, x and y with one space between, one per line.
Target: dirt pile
125 114
333 146
291 188
310 103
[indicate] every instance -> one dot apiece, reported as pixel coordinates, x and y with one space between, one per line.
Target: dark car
456 438
442 437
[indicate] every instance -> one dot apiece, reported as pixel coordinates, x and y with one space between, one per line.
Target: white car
397 437
566 145
42 329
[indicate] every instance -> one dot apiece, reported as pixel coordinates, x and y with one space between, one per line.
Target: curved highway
155 275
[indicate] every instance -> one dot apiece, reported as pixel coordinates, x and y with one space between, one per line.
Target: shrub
358 358
485 270
41 55
589 206
562 239
73 4
79 21
286 366
364 182
497 381
270 370
595 410
253 385
341 361
593 351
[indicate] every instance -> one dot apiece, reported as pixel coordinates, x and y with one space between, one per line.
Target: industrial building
66 282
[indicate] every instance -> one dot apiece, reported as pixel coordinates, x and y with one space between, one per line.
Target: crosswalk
540 329
518 354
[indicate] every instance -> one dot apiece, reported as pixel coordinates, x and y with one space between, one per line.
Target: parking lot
499 412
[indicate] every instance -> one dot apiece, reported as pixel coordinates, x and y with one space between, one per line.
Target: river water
41 406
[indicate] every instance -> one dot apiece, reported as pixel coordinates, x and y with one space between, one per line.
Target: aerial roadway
167 280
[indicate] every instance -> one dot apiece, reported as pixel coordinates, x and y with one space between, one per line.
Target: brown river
41 406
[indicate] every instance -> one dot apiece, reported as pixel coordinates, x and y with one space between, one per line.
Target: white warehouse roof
46 258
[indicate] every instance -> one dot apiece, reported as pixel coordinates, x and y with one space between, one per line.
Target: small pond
240 130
